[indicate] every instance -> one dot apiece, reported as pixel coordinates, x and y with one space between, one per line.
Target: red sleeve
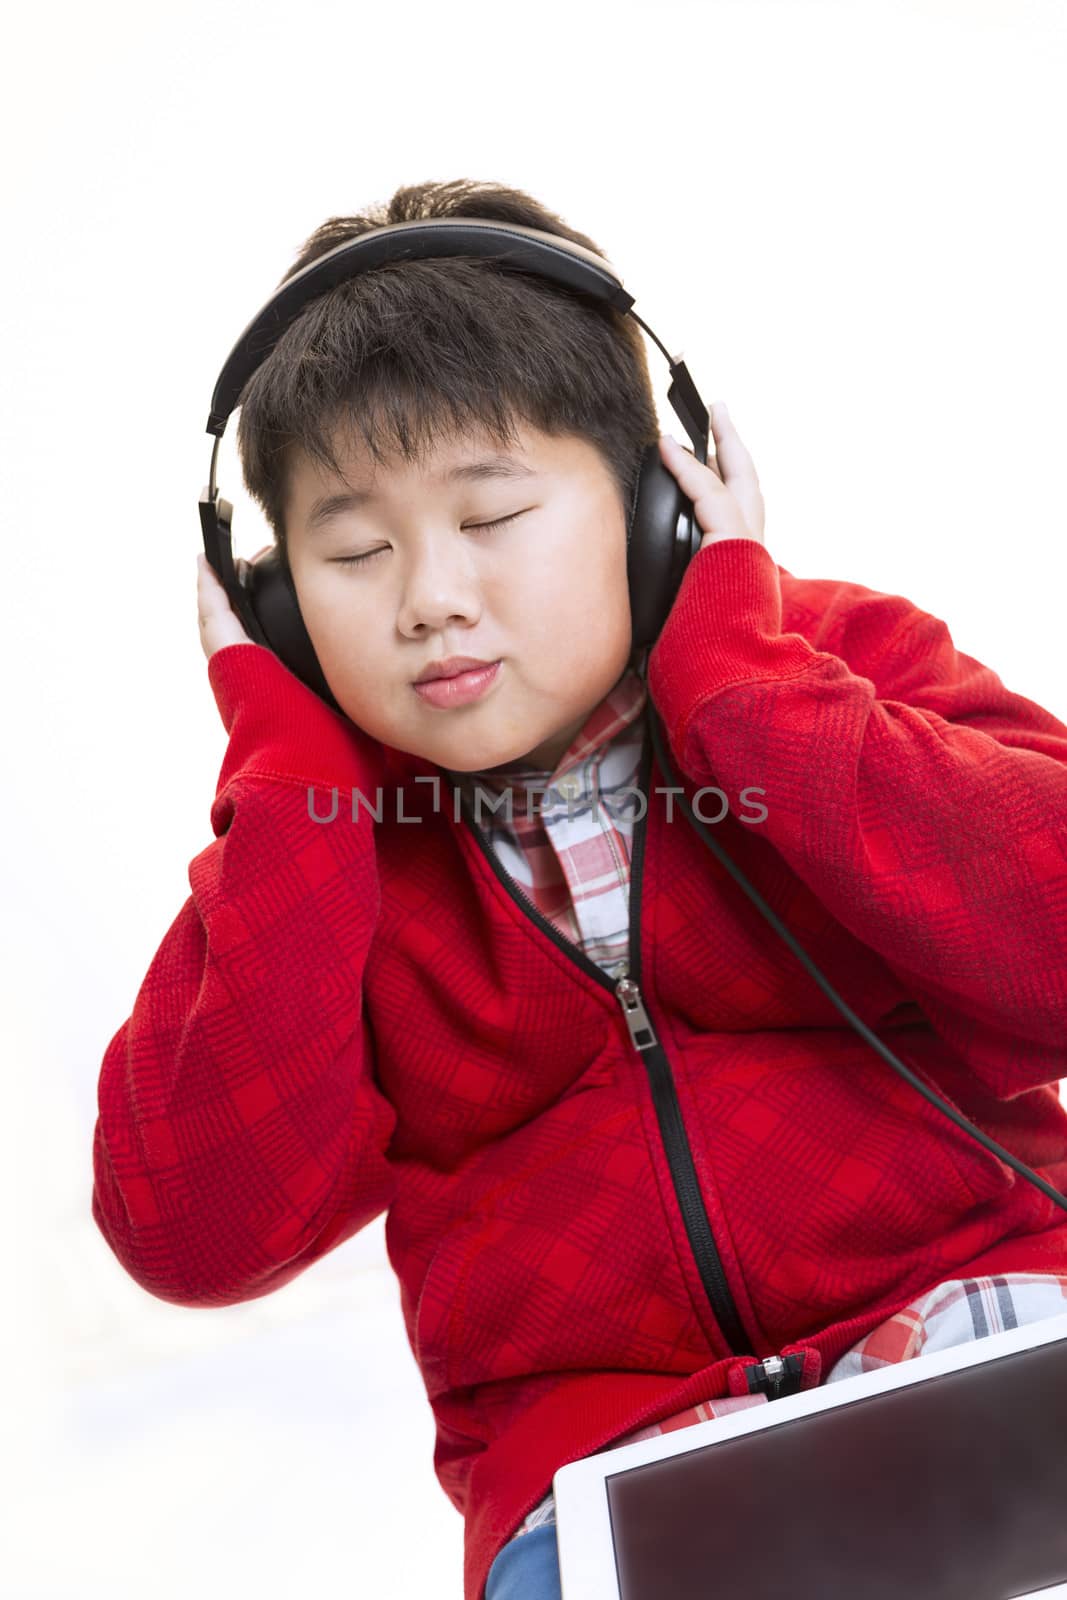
924 802
241 1133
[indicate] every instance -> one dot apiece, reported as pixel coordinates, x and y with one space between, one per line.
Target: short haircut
417 352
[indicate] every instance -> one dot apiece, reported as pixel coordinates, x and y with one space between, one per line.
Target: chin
485 759
469 763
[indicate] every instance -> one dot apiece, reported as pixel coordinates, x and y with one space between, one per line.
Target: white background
847 216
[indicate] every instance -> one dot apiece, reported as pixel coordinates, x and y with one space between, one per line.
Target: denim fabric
526 1568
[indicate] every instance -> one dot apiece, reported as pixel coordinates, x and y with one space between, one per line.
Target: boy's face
545 595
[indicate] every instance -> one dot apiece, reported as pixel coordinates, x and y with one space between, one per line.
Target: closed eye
476 527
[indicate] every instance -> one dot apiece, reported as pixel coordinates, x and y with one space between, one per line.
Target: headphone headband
521 249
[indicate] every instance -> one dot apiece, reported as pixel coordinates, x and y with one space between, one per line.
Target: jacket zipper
627 992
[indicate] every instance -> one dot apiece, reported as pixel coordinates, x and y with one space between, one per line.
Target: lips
451 667
459 689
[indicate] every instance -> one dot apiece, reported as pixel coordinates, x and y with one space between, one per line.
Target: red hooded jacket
588 1236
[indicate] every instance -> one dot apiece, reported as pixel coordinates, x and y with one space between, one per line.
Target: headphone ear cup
271 594
662 538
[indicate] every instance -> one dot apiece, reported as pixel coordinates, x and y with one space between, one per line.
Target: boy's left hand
728 506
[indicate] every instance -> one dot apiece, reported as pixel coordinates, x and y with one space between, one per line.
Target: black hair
418 351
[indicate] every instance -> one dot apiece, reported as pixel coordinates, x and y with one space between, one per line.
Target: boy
416 1003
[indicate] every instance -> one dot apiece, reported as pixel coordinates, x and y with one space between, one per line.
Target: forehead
471 456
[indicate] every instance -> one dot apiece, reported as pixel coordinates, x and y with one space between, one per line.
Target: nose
439 587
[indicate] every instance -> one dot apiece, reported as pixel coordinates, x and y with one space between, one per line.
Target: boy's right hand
219 623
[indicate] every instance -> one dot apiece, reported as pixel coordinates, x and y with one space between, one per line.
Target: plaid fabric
565 835
958 1311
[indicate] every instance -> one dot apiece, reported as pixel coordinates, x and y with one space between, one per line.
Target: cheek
573 572
343 640
593 586
329 603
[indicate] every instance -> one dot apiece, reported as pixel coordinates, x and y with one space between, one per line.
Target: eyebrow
332 505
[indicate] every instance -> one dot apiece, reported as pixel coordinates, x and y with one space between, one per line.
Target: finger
730 449
739 468
671 446
219 623
712 461
210 593
717 510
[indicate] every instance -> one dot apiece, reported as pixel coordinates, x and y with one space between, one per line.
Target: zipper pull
781 1377
773 1368
642 1032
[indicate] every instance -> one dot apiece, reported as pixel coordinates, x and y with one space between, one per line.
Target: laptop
942 1477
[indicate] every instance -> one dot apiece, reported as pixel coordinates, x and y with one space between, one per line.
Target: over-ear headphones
662 533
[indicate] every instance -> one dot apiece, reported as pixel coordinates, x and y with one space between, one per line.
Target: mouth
460 689
450 667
